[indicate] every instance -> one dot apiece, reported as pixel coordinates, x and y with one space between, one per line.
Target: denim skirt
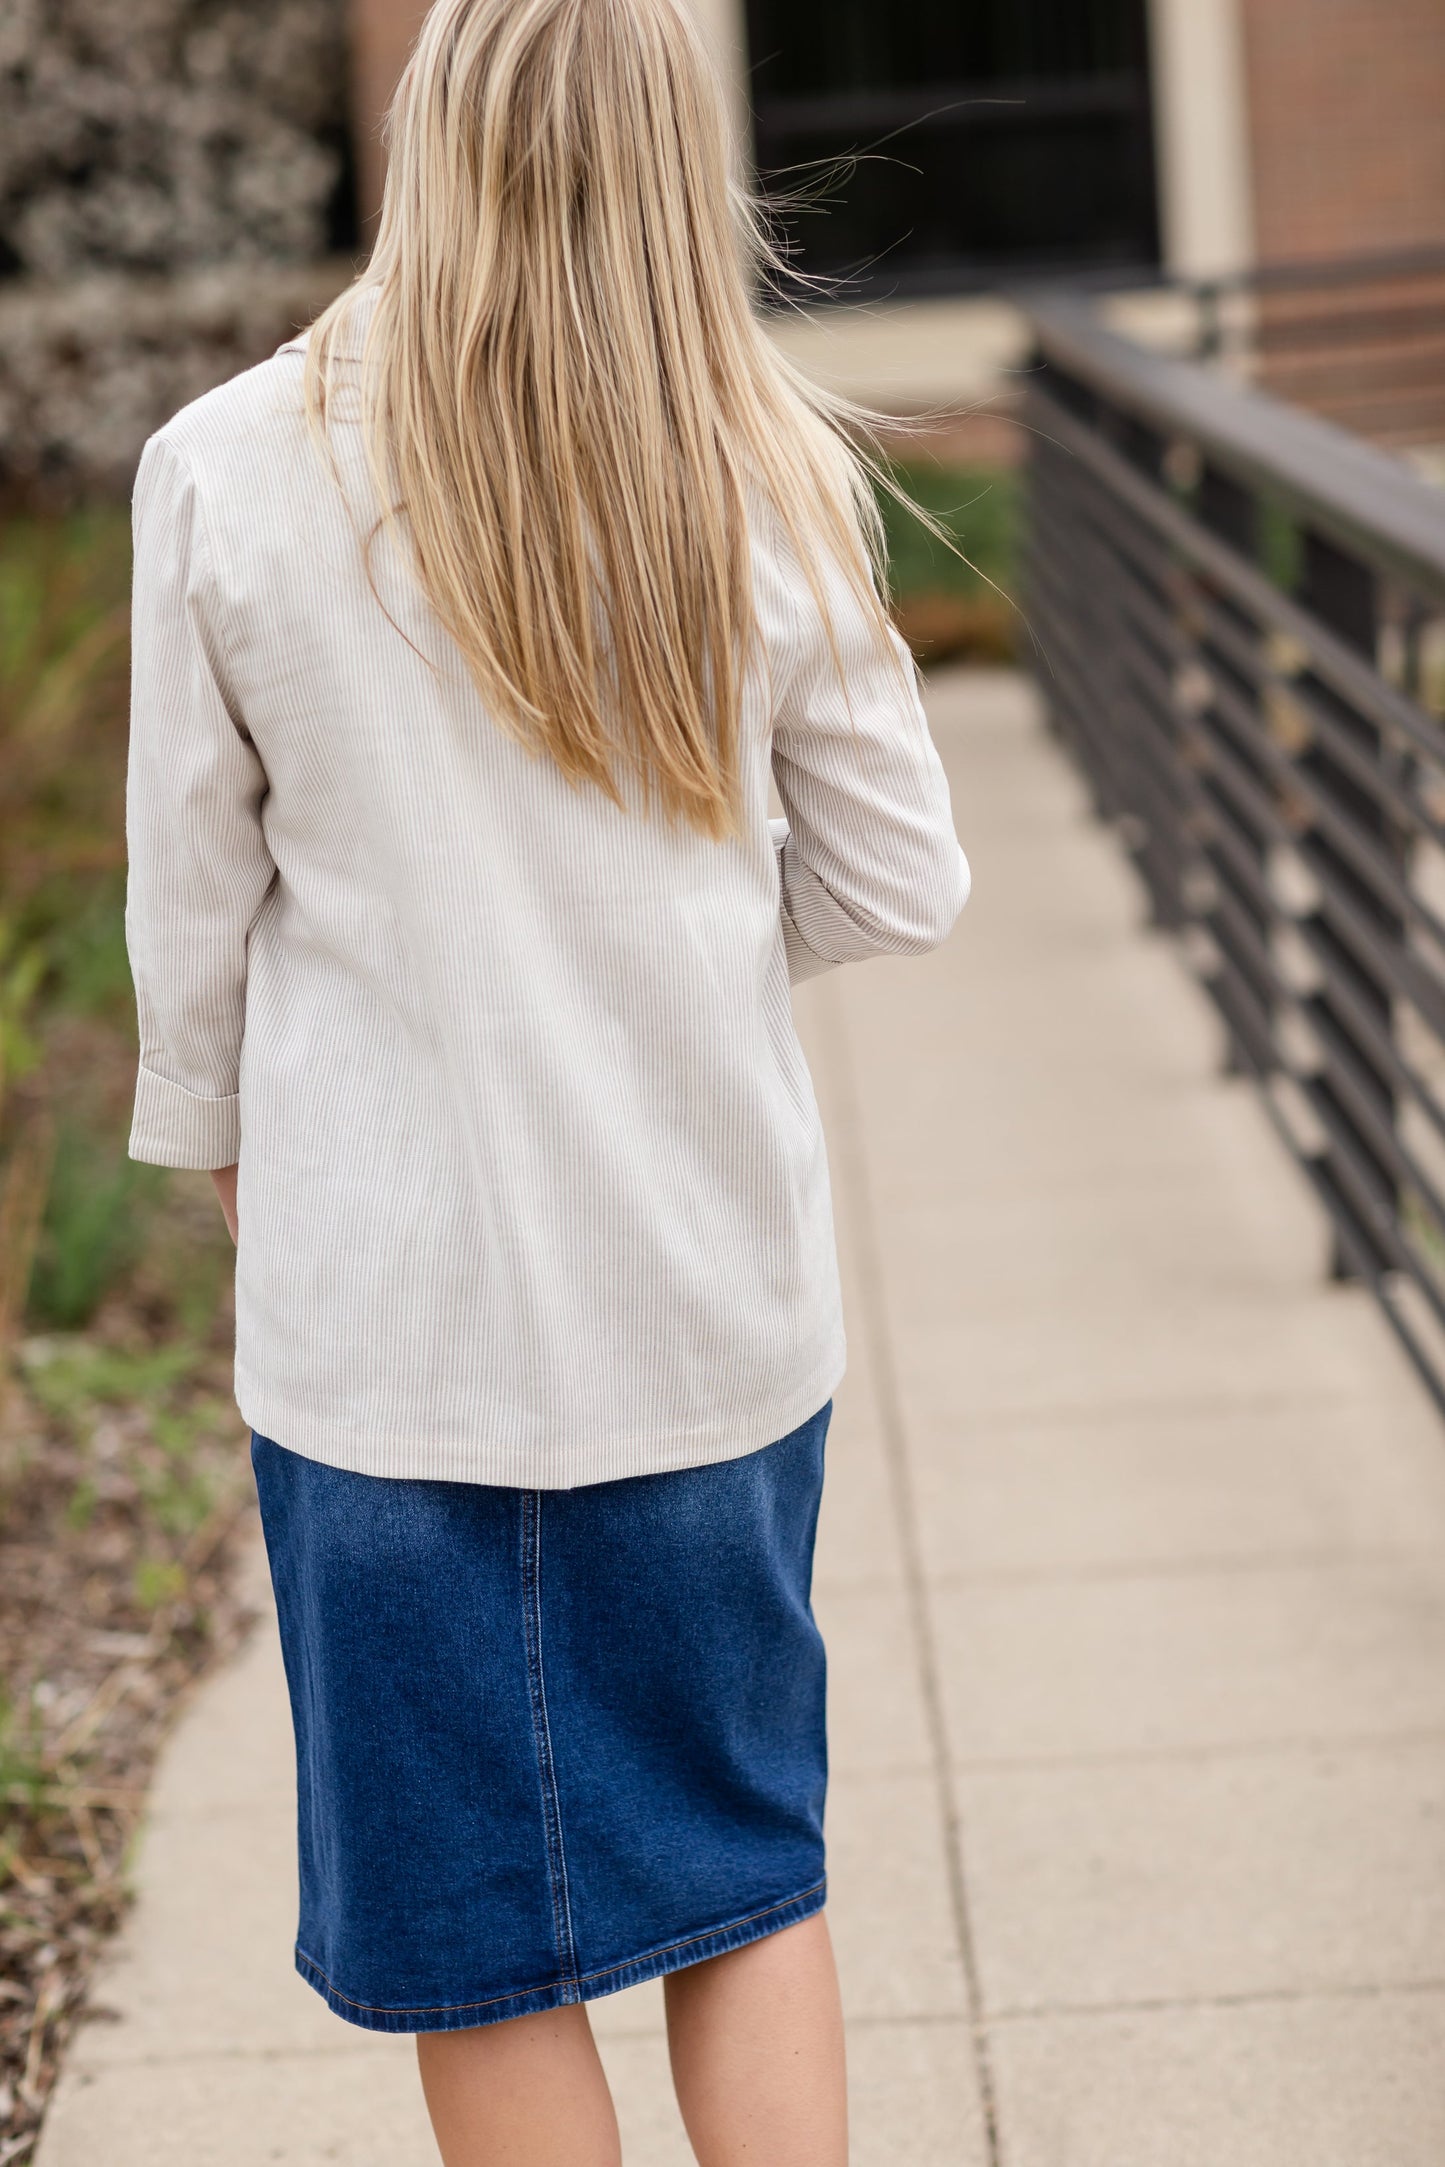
549 1743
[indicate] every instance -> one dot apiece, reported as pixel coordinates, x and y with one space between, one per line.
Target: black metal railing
1240 615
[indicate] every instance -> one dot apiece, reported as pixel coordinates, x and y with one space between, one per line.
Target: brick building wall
1347 124
1346 111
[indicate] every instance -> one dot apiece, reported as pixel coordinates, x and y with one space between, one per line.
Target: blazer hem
500 1456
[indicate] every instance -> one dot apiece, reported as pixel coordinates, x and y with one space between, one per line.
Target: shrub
93 1228
949 608
165 168
161 135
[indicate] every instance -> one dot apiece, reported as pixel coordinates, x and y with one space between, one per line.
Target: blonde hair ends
568 399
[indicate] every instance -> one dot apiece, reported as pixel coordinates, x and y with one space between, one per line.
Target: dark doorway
1019 137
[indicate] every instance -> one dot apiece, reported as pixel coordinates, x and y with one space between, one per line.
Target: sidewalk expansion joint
1244 1998
1220 1749
853 1167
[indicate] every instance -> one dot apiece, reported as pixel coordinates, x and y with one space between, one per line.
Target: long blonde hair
568 398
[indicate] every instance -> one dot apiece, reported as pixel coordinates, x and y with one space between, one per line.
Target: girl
469 633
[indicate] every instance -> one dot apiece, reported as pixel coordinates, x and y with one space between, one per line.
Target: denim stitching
546 1767
714 1934
420 2009
522 1993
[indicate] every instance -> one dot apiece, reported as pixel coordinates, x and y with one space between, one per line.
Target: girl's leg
756 2039
527 2093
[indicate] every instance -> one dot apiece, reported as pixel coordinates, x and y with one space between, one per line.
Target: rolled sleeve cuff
176 1127
803 962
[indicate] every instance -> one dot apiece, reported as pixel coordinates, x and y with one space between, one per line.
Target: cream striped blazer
532 1184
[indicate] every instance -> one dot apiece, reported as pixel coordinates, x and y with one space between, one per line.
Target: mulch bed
123 1488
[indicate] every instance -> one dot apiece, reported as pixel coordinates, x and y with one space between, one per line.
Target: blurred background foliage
176 194
121 1468
81 1225
956 604
175 187
160 135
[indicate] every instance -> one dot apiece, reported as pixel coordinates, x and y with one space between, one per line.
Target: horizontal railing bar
1324 725
1248 941
1343 1070
1251 937
1259 809
1369 1029
1076 714
1379 1218
1372 503
1342 1160
1370 777
1136 586
1044 586
1374 871
1245 1016
1366 1027
1351 675
1246 869
1055 595
1392 965
1361 1262
1157 755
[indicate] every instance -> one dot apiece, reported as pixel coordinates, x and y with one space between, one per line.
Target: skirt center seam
542 1736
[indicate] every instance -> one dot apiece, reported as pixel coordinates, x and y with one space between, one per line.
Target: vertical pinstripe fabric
532 1185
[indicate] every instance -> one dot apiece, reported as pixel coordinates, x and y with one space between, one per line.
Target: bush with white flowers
169 172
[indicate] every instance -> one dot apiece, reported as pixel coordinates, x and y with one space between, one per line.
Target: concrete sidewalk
1133 1575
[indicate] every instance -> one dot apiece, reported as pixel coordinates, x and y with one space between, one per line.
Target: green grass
135 1418
23 1773
95 1224
63 1376
67 1025
64 648
123 1461
77 932
979 509
953 596
22 971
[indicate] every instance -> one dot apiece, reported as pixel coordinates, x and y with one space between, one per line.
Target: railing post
1209 339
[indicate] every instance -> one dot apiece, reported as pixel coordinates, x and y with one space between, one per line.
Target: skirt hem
587 1986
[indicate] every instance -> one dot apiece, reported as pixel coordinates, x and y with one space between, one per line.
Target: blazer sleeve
199 867
868 860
